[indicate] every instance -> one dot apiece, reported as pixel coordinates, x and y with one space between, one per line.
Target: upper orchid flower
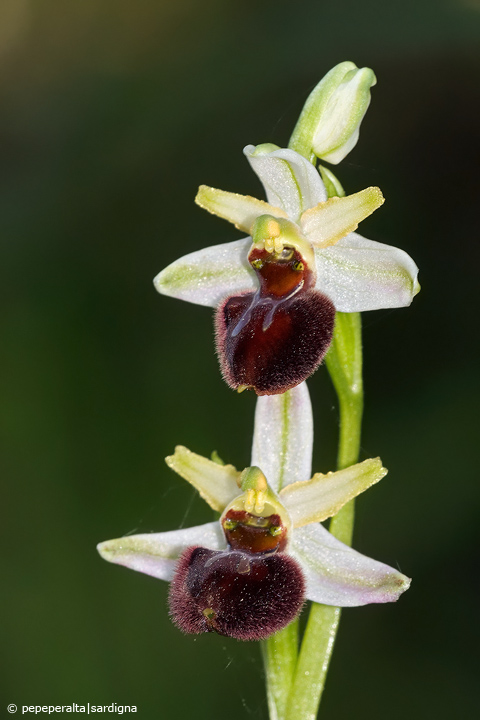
276 291
247 575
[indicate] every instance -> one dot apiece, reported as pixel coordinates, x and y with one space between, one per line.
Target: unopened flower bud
330 122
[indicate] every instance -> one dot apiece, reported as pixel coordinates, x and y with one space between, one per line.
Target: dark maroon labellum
242 595
275 338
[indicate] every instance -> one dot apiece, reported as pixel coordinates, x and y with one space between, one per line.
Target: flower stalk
344 363
295 680
280 653
303 673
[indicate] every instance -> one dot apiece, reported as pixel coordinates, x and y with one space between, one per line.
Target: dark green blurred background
111 114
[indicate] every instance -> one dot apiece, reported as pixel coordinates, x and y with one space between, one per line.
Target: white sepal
290 181
283 437
156 554
358 274
208 276
338 575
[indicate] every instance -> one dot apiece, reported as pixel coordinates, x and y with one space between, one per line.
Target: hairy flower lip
272 345
240 595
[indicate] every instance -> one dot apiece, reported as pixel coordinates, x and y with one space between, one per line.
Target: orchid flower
248 574
277 290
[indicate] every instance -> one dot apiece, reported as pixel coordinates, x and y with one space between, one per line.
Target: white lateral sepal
338 575
156 554
358 274
208 276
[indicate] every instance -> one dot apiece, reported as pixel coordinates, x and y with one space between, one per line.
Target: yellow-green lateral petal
217 484
329 221
324 495
240 210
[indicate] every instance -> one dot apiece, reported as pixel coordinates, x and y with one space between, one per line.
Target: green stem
295 681
280 658
313 661
344 363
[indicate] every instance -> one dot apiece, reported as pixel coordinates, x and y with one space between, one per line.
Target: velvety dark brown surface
239 594
280 346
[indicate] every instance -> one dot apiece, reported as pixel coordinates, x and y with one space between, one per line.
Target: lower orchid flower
277 290
248 575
